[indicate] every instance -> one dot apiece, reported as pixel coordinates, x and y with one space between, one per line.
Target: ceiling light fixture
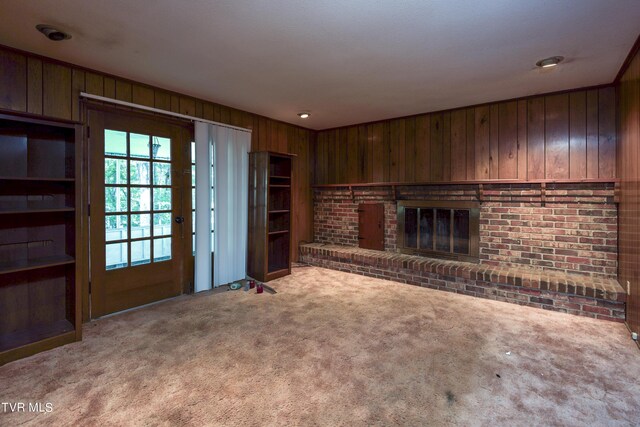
52 33
304 115
552 61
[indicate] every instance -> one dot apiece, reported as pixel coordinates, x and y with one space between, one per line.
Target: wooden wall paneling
109 87
225 115
592 134
363 155
423 148
386 149
352 155
77 86
162 100
283 136
578 135
535 138
34 85
606 133
494 141
557 136
322 172
199 109
446 146
394 150
13 81
436 155
522 140
142 95
263 134
342 159
175 103
508 140
187 106
458 145
56 99
410 149
377 167
471 144
123 91
482 126
94 84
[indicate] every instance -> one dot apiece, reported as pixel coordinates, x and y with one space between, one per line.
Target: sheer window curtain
222 162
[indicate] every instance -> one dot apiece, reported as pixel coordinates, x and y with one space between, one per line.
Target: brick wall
574 230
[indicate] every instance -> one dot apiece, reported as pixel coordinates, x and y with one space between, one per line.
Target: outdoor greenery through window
138 217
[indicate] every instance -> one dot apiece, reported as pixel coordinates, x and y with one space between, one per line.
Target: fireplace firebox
439 229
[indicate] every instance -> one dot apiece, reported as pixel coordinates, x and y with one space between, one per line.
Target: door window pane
161 199
115 171
162 249
443 229
140 252
411 228
116 255
162 224
139 172
115 199
140 199
116 227
161 174
140 225
139 145
115 143
426 229
161 148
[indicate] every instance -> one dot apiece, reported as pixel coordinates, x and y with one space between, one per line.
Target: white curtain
222 162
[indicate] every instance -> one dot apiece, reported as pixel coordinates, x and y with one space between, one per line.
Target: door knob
179 219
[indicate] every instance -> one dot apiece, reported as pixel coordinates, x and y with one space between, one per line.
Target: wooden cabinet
39 235
269 215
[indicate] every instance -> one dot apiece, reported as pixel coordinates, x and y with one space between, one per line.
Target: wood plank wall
45 87
629 208
569 135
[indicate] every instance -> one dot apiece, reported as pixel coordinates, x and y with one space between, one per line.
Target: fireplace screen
440 229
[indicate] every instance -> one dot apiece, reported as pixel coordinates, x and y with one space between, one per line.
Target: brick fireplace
550 246
569 228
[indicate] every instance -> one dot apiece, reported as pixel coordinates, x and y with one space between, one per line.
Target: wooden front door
139 228
371 226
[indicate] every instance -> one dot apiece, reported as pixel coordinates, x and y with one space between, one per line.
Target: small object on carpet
235 286
259 288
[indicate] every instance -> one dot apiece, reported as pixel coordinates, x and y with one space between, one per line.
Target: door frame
187 135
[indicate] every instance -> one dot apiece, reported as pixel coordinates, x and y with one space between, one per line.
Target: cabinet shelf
35 263
40 231
34 334
36 179
270 215
14 211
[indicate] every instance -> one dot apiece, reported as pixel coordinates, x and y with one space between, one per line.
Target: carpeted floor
334 349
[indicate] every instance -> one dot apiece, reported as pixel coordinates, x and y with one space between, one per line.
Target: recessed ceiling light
304 115
549 62
52 33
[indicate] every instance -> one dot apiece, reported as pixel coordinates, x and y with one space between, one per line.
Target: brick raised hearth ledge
596 297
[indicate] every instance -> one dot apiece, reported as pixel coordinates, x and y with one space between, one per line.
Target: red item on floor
260 289
252 284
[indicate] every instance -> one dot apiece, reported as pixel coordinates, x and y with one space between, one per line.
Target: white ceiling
345 61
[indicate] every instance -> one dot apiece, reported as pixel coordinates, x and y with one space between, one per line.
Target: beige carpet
334 349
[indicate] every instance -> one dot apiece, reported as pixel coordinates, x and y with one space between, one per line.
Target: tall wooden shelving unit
270 181
40 239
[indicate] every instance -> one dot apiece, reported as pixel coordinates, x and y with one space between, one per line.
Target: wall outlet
628 288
